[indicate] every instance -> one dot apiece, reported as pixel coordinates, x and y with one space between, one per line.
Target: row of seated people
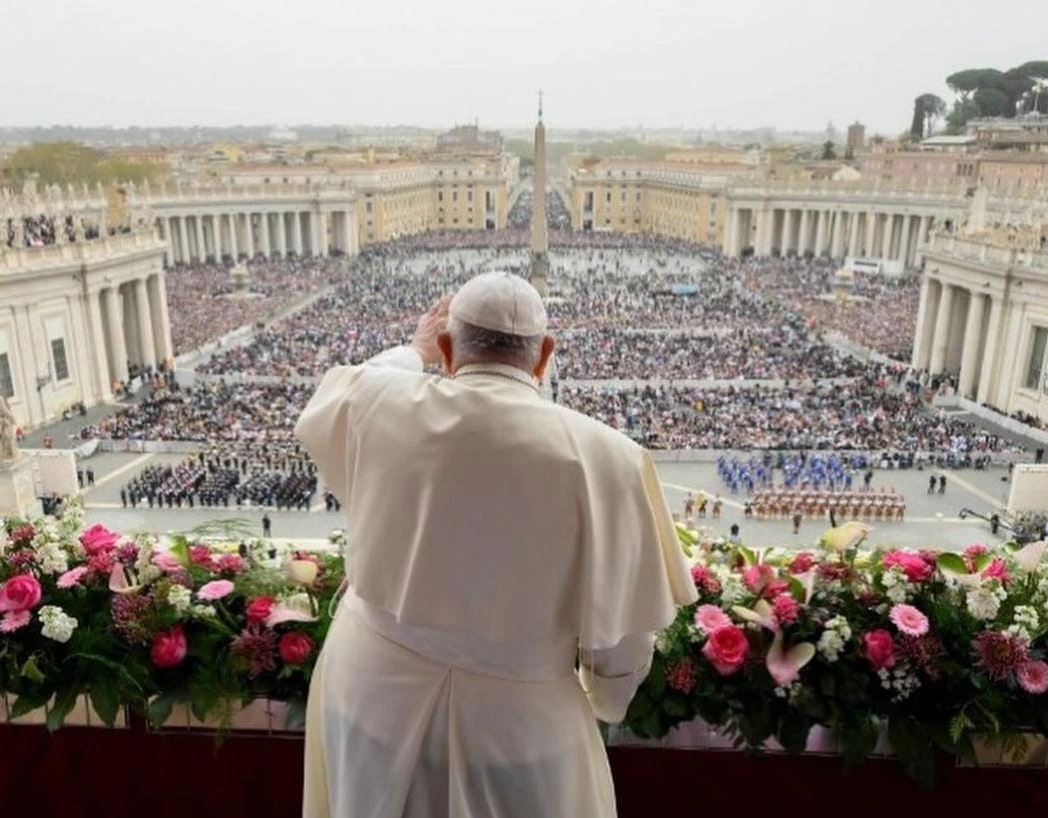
277 475
879 504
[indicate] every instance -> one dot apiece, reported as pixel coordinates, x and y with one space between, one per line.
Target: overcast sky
791 64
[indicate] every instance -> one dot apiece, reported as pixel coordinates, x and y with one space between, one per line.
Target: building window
440 195
1035 365
7 385
58 355
608 197
367 207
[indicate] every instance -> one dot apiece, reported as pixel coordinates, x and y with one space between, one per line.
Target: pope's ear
548 345
444 345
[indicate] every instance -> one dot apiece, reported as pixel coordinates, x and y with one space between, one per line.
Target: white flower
203 612
180 598
834 638
663 643
984 601
52 559
1025 622
896 587
57 624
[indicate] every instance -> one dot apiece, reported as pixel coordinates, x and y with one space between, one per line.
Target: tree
926 109
64 163
827 150
993 102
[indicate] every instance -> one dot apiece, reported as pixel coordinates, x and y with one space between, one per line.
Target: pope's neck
494 368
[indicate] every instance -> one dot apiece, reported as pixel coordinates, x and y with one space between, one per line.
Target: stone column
904 242
820 231
788 221
146 348
922 339
166 235
157 288
183 240
347 233
266 246
282 234
802 234
319 233
216 238
234 247
104 380
970 356
853 233
988 370
201 247
941 338
114 320
249 238
870 233
296 232
886 236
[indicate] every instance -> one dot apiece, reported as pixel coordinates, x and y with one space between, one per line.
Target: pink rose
709 618
757 576
295 647
71 577
704 579
908 620
167 562
801 563
20 593
259 609
169 648
13 620
997 570
201 555
1032 676
726 649
786 608
880 648
775 588
916 568
233 563
97 539
216 589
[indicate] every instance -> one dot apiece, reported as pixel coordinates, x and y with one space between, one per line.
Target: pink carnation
98 539
916 568
233 563
909 620
680 676
775 588
72 577
997 570
1032 676
786 608
704 579
13 620
801 563
216 589
710 617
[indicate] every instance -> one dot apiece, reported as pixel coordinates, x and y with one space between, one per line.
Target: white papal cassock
494 539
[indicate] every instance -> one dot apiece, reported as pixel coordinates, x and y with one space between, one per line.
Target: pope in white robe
509 562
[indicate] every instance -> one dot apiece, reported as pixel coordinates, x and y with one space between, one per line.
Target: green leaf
28 702
296 714
674 706
31 671
793 731
64 702
951 563
959 724
656 680
748 555
159 709
981 562
913 749
858 740
105 700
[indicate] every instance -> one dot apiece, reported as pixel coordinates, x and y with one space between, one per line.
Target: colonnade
131 325
822 231
203 236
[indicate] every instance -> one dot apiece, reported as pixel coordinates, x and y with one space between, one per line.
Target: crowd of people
207 412
272 475
862 416
44 230
206 301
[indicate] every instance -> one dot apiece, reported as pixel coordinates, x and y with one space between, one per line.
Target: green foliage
72 163
827 150
991 92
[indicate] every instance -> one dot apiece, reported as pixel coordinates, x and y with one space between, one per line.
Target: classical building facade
983 317
74 316
320 209
743 214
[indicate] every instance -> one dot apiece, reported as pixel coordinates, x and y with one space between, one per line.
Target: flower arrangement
941 649
130 623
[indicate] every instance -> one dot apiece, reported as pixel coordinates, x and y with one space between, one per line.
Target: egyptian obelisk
539 233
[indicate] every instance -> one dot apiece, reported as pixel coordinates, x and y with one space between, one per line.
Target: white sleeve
403 357
611 676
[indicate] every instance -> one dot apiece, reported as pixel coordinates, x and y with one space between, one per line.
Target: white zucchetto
501 302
